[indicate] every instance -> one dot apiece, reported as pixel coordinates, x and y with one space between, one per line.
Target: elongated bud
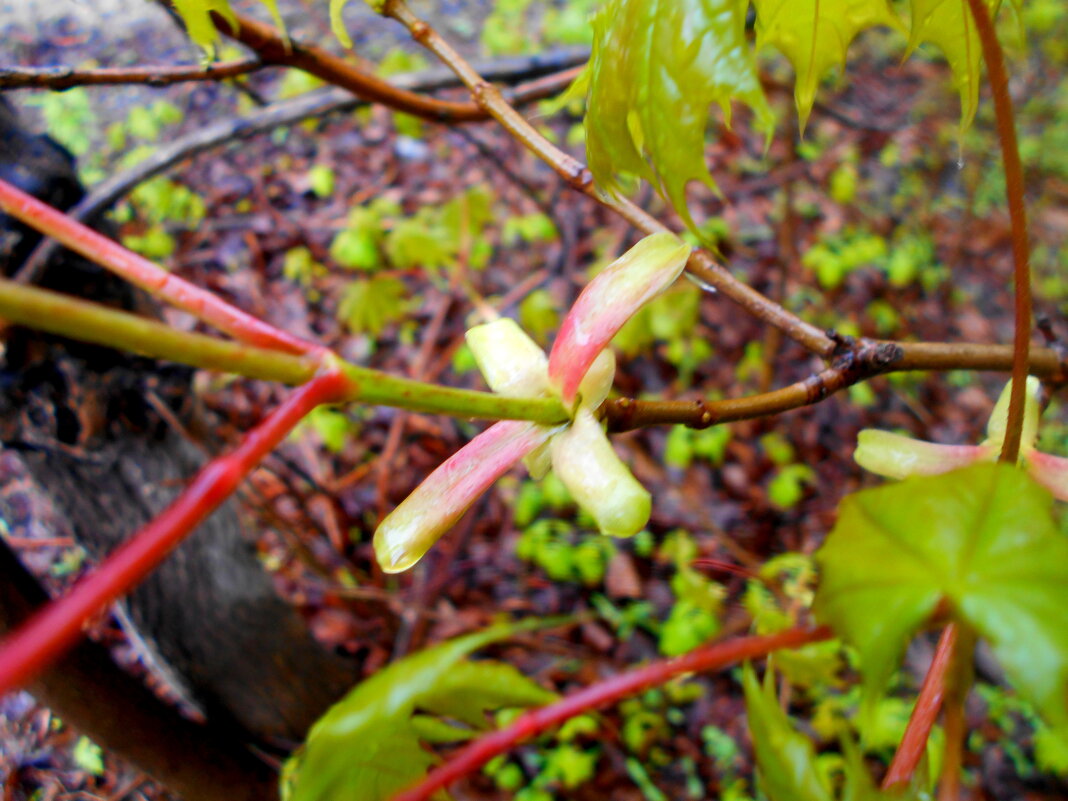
597 383
895 456
999 418
509 360
608 301
599 482
435 505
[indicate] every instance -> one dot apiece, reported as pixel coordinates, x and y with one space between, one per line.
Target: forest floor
911 240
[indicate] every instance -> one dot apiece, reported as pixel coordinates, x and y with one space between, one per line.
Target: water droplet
707 287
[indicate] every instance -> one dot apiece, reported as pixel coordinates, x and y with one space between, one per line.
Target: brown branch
863 360
88 690
318 103
60 78
701 264
1014 192
273 48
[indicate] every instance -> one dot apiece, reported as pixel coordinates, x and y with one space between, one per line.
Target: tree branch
91 322
60 78
702 265
551 72
273 48
865 358
1014 192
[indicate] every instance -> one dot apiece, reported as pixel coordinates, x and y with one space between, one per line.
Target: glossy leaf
599 482
367 746
815 35
608 301
948 24
435 505
786 759
656 67
980 539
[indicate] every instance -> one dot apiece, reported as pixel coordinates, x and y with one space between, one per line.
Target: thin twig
556 70
91 322
152 278
701 264
273 48
707 657
928 704
60 78
1014 193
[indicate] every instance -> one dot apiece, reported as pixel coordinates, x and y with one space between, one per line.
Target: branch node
420 31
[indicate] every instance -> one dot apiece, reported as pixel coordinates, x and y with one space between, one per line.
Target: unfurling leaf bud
608 301
436 504
509 360
895 456
599 482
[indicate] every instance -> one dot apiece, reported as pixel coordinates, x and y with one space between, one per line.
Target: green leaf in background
983 540
656 67
948 24
88 756
815 34
367 747
785 758
369 305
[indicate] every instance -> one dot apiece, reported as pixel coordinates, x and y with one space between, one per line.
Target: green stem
1010 155
373 386
79 319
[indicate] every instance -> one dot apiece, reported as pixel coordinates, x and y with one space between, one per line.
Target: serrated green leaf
983 540
814 35
367 746
786 759
656 67
370 305
948 24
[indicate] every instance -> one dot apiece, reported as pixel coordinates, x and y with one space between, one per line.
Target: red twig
707 657
924 714
1014 192
55 628
150 277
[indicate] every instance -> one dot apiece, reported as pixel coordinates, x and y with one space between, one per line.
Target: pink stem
924 714
150 277
707 657
56 627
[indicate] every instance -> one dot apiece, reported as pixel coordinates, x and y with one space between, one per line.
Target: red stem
924 714
707 657
54 629
1014 192
150 277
